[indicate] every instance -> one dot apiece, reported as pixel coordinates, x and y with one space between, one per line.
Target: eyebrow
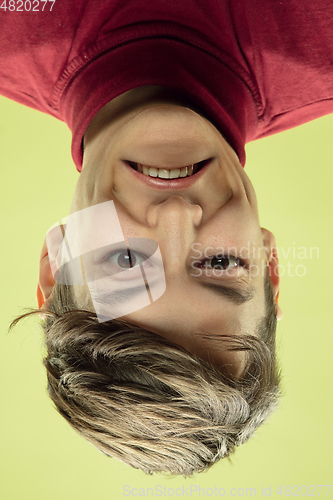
236 296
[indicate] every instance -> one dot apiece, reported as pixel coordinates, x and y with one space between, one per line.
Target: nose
174 223
174 212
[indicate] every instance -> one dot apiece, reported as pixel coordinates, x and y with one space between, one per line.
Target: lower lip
158 183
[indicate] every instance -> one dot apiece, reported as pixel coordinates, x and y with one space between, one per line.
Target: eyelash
199 264
240 262
128 253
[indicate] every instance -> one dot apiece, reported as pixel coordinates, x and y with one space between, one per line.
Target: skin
157 127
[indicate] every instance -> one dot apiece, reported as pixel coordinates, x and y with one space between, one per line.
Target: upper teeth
165 173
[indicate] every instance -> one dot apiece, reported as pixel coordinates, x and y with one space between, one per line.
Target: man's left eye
222 262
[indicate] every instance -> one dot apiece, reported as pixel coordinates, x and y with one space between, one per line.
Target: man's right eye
125 258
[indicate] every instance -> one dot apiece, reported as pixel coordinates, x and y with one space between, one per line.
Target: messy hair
147 401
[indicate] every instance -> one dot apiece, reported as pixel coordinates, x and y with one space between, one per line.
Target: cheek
130 220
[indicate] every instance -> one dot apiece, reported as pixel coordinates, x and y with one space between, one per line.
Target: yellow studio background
42 458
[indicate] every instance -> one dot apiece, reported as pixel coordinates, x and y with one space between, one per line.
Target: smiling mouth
163 173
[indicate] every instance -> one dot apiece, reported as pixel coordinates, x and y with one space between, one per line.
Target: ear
46 281
273 263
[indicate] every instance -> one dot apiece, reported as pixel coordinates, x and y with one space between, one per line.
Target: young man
152 89
210 213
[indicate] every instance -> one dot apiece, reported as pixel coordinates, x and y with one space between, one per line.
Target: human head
229 364
217 211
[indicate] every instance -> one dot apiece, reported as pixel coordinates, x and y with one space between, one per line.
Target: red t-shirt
255 67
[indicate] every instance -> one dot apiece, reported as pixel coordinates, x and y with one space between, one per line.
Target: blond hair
148 402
